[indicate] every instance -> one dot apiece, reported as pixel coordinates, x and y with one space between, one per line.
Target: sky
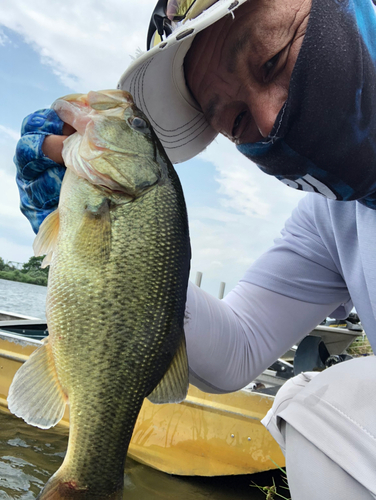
50 48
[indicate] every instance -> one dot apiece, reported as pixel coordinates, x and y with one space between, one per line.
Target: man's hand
52 146
40 166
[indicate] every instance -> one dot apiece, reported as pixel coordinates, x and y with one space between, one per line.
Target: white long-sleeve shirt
323 264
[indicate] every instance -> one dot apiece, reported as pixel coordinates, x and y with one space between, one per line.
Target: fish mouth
100 152
75 109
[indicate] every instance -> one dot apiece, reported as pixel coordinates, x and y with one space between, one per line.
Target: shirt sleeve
38 177
285 294
303 264
231 341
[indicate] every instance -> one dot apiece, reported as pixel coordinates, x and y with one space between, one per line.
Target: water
29 456
23 298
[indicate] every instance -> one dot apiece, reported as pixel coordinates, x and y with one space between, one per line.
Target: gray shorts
325 424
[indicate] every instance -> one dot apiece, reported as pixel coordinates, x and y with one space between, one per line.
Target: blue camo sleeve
38 178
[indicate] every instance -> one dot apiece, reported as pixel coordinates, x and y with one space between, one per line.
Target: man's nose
264 107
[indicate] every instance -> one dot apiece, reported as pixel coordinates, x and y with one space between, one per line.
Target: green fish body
119 255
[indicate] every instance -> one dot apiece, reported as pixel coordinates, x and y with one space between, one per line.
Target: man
293 84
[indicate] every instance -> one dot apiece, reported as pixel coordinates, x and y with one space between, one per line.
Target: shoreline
20 277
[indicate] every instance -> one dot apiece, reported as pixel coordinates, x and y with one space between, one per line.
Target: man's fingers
53 147
68 129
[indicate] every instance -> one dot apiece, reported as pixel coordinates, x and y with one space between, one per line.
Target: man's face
239 69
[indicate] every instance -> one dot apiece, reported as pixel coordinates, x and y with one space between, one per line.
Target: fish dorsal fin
173 387
46 239
94 234
35 393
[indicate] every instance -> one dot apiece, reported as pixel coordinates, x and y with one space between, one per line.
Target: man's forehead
254 26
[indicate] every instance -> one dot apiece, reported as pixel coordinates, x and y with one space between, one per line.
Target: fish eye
138 123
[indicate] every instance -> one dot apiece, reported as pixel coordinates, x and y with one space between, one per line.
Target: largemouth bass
119 255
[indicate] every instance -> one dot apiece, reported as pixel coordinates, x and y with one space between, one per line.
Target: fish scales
115 310
116 332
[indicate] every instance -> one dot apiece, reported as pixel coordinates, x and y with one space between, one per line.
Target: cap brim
157 83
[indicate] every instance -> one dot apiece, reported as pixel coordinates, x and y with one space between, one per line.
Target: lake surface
23 298
29 456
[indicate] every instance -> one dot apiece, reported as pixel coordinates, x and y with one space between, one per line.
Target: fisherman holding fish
293 85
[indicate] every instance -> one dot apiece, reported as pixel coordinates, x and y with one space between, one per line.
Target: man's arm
286 293
231 341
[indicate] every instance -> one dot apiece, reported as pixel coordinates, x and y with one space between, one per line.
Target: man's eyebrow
236 49
211 108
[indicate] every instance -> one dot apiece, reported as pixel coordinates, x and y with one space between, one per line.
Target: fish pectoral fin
45 241
173 387
35 393
94 233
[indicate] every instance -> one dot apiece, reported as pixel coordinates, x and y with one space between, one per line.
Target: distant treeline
30 272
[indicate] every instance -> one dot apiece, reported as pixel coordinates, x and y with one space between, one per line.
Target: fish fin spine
173 386
35 393
46 239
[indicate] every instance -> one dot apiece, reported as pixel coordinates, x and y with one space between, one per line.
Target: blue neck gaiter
324 138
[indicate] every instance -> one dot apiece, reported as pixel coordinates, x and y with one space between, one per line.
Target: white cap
157 83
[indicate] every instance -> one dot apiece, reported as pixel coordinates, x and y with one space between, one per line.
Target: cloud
87 44
240 191
9 132
239 188
13 251
16 235
243 187
4 39
8 141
